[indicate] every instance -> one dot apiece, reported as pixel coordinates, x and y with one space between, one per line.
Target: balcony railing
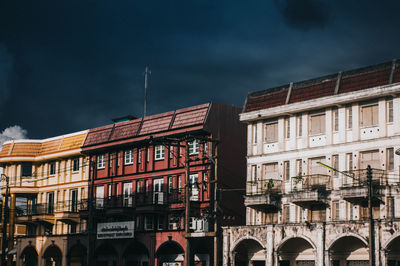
137 199
311 182
46 208
261 187
359 178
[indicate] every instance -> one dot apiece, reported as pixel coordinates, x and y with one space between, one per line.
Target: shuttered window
317 124
370 158
316 168
271 132
369 115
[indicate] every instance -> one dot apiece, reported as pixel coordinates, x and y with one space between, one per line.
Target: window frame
322 126
274 129
52 168
389 106
128 157
159 152
193 147
373 115
101 161
74 168
23 173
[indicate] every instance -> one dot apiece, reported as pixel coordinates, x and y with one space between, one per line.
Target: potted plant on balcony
297 179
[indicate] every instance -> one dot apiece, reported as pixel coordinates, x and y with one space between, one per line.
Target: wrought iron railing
358 178
261 187
311 182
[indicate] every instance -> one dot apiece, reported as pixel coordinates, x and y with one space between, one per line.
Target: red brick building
140 170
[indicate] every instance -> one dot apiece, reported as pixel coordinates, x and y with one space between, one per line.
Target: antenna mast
147 72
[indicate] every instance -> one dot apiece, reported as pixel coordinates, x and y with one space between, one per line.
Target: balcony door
99 197
195 187
127 194
74 200
158 196
50 202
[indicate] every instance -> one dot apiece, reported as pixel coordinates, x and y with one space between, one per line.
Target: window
271 132
299 167
173 222
389 207
139 157
254 133
110 159
159 155
194 147
370 158
349 161
335 114
299 119
390 159
336 211
194 183
128 157
317 123
74 200
50 202
75 165
369 115
160 222
389 105
286 213
148 222
287 127
286 170
316 168
101 161
349 116
335 164
52 168
139 186
127 194
171 152
99 197
26 170
253 173
270 171
179 182
170 186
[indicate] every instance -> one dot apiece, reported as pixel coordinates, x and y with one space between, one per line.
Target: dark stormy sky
72 65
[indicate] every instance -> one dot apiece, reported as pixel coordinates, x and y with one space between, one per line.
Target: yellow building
48 180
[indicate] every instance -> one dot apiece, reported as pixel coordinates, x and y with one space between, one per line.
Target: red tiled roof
352 80
182 118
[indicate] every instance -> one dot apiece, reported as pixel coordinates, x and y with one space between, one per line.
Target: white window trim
101 161
52 163
73 165
159 152
194 147
128 157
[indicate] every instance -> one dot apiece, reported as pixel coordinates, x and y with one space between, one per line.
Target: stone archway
52 256
170 253
296 251
349 251
248 252
393 252
29 256
136 254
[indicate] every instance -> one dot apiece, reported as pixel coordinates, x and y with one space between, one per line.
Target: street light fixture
398 151
5 220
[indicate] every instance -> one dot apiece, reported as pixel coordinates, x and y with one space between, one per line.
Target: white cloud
14 132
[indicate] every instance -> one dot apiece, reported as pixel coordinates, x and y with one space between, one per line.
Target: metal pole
216 231
187 206
5 221
146 73
91 243
371 219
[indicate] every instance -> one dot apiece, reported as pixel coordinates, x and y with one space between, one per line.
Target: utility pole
188 253
371 218
216 229
5 221
90 225
146 73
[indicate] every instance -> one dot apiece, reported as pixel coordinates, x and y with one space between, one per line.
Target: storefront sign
115 230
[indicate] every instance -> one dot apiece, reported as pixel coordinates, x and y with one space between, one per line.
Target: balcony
354 188
67 211
36 213
126 205
263 194
310 191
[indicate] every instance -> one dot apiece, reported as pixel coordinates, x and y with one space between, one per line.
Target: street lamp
5 220
398 151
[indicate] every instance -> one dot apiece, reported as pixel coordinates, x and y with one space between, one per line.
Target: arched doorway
106 255
52 256
393 252
349 251
249 252
77 255
136 254
170 253
296 251
29 256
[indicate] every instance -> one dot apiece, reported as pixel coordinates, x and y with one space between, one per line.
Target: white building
300 212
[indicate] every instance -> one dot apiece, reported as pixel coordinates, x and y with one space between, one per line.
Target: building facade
170 180
309 145
47 180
